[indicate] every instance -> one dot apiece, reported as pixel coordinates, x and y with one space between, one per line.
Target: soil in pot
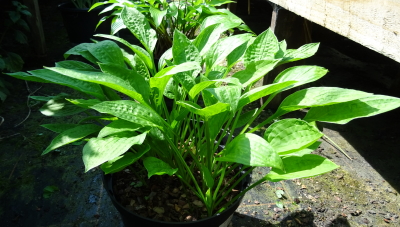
162 198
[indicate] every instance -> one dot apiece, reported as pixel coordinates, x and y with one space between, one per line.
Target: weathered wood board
373 23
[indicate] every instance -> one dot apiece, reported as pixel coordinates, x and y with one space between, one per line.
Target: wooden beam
35 23
373 24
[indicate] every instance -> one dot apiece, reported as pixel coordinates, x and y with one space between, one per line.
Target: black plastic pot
81 24
130 219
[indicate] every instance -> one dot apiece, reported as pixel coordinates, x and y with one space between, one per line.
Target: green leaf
131 111
291 135
279 204
13 62
58 78
236 54
245 118
95 77
197 88
159 82
279 193
143 54
342 113
226 21
262 91
307 150
68 64
135 81
251 150
207 176
222 48
71 135
2 64
82 50
107 52
59 107
303 52
302 74
137 23
157 15
121 162
255 71
100 150
308 165
14 16
118 126
20 37
183 49
49 190
264 47
319 96
206 112
207 38
156 166
59 128
226 94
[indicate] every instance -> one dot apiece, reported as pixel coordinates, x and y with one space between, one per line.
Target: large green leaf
262 91
207 38
156 166
222 48
59 128
59 107
68 64
183 49
27 77
137 23
118 126
100 150
245 118
342 113
82 50
105 79
157 15
131 111
255 71
307 150
264 47
121 162
226 94
308 165
302 52
207 111
135 81
46 75
302 74
204 84
251 150
107 52
291 135
159 82
142 53
318 96
226 21
71 135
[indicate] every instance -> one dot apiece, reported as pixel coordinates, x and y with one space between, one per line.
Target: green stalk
256 115
233 186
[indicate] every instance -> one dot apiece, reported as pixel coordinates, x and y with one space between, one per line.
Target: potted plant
131 133
80 24
167 16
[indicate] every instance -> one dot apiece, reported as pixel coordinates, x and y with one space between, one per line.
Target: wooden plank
35 23
373 24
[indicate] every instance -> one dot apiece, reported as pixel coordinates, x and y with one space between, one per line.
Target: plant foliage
131 120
